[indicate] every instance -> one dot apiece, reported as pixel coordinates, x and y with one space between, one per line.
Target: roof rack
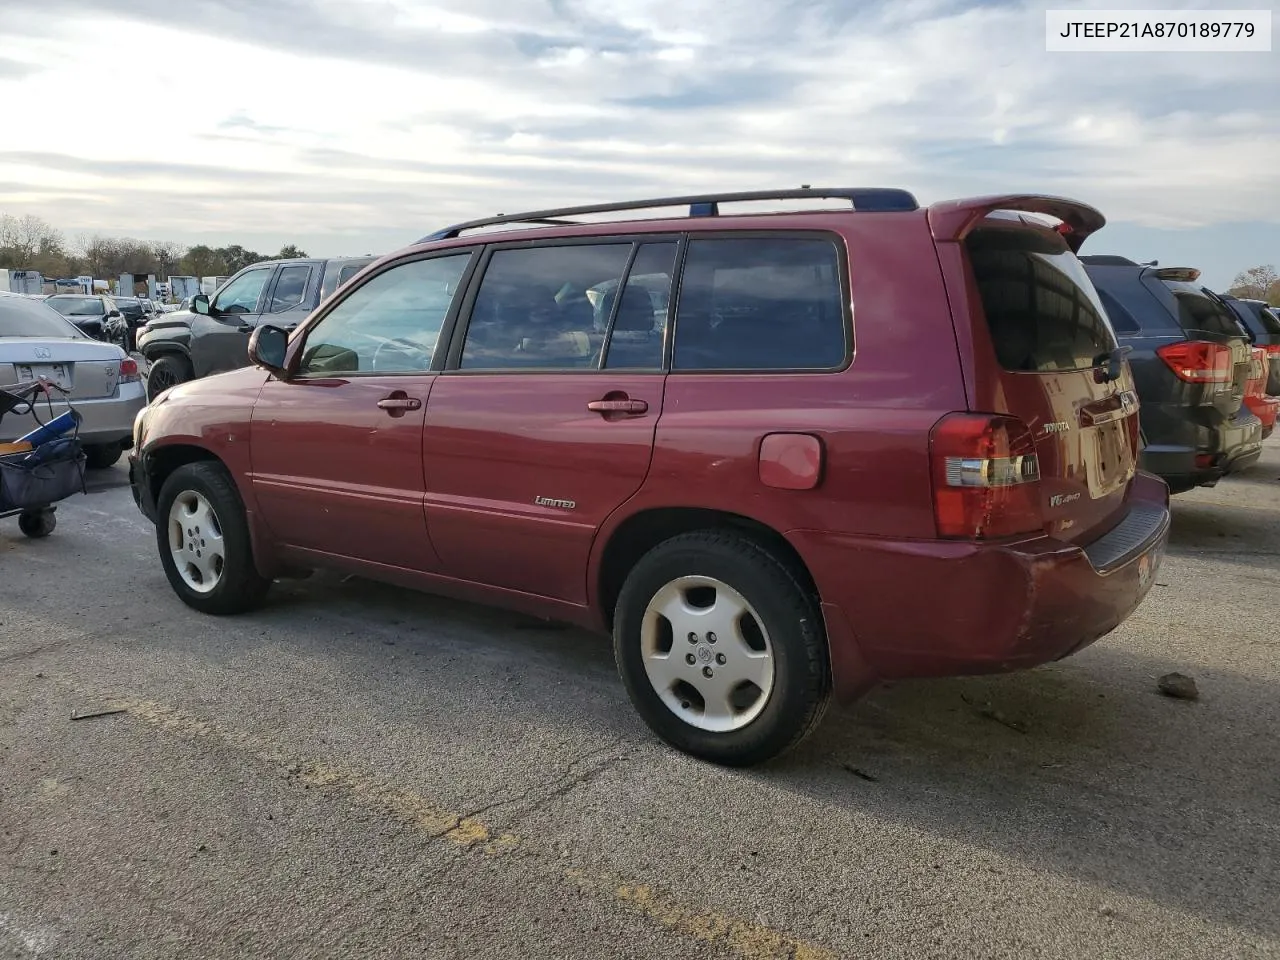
862 199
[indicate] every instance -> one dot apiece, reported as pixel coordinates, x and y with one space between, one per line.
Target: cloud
389 116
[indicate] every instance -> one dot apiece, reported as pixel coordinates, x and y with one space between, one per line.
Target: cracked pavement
359 771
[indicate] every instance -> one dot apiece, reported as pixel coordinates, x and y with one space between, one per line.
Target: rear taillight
1273 351
1198 361
986 477
129 370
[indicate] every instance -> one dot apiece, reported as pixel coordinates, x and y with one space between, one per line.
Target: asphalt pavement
359 771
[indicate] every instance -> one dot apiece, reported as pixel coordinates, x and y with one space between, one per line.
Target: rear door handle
618 406
245 328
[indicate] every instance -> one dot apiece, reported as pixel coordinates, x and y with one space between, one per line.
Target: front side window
1042 309
760 304
291 288
389 324
541 308
242 294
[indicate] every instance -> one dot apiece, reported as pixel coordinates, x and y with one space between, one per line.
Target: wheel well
639 534
163 461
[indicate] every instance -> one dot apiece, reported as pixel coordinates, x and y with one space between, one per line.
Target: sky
358 126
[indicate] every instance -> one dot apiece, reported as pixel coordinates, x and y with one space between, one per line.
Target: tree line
30 243
1258 283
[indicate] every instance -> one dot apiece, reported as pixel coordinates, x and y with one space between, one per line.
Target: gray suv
213 335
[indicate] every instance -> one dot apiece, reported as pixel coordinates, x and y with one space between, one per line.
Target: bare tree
1255 283
25 239
167 254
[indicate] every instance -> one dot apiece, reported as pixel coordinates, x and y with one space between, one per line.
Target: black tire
240 587
37 523
100 456
167 371
788 613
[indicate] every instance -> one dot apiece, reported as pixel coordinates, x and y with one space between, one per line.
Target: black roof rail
863 199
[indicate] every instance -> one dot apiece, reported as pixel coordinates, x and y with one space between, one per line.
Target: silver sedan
104 384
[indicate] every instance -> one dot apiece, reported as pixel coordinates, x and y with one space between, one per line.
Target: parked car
104 384
1263 407
1191 363
212 336
712 473
1262 321
90 314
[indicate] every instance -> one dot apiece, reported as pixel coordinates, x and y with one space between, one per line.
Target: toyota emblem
43 353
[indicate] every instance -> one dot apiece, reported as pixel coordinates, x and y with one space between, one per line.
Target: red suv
778 455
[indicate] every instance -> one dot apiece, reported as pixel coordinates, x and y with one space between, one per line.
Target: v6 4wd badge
1061 499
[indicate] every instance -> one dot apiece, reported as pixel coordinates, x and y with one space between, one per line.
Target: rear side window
290 288
1198 312
537 307
760 304
1042 310
1122 321
1257 319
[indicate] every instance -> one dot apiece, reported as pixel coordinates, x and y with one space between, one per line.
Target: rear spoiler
953 219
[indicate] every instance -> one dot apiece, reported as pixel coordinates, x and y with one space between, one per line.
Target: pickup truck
213 335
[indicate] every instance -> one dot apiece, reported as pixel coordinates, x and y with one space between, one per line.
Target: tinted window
1200 312
77 306
20 317
389 324
1122 321
534 307
242 294
1259 320
290 288
639 319
1042 310
760 304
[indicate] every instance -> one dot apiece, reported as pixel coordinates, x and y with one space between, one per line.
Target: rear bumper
927 608
1197 455
109 420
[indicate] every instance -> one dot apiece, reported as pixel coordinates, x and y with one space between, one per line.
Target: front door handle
398 403
618 406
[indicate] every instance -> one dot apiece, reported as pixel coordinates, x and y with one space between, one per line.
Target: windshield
31 318
77 306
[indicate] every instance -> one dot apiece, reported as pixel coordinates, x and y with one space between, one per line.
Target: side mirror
113 313
200 304
267 348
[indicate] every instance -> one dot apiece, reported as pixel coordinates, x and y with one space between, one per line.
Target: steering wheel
415 347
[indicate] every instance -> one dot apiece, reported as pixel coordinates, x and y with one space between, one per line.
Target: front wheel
721 649
168 371
204 542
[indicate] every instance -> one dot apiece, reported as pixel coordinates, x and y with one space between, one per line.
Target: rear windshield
1199 312
1042 310
20 317
77 306
1257 318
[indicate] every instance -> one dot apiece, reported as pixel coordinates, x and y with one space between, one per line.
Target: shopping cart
46 468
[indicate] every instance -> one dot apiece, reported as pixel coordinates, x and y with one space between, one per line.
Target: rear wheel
204 542
100 456
168 371
721 649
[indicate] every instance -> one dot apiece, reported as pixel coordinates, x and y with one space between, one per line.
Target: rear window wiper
1109 366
